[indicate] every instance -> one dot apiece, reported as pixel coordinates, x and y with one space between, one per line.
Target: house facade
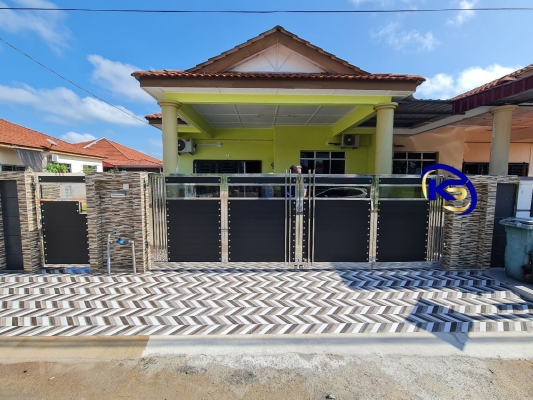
274 101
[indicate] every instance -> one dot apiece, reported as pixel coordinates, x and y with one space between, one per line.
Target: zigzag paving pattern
208 302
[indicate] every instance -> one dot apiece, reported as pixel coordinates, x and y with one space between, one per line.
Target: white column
169 109
501 139
384 137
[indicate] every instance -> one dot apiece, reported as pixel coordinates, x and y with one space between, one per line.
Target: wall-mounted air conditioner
53 158
350 141
186 146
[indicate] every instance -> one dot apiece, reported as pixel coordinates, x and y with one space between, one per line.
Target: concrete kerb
484 345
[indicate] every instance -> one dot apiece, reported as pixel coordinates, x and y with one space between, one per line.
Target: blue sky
455 51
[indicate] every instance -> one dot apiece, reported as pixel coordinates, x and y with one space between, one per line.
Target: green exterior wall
281 146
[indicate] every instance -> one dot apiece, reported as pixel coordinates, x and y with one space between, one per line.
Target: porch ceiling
522 119
237 116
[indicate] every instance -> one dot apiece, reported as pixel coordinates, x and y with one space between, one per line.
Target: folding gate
293 220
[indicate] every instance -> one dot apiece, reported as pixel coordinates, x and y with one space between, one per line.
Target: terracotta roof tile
167 73
18 136
118 155
516 75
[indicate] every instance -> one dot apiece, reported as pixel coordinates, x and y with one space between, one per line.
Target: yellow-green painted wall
281 146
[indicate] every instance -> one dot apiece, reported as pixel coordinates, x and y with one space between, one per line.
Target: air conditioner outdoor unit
53 158
186 146
350 141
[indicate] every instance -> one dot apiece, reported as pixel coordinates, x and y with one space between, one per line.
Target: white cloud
445 86
62 105
400 39
463 16
116 76
73 137
155 142
49 25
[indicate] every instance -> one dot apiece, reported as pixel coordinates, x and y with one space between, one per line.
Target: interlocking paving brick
271 301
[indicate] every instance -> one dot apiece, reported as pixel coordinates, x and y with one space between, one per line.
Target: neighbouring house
462 131
121 158
22 147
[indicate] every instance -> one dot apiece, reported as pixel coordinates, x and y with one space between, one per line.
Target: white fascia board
443 122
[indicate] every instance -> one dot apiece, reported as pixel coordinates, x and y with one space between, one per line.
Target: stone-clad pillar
501 139
384 137
169 109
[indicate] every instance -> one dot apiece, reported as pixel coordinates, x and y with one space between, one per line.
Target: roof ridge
93 142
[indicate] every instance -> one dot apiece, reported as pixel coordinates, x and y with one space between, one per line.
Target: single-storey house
22 147
121 158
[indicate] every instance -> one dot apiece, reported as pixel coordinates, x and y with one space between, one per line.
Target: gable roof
118 155
13 135
276 35
512 77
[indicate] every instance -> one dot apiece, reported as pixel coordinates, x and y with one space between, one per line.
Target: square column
384 137
169 110
501 139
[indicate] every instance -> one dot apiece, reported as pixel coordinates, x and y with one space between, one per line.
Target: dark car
336 192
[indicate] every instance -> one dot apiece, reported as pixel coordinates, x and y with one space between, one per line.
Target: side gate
64 220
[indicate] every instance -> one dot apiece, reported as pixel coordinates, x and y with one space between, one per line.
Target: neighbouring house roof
514 88
13 135
118 155
512 77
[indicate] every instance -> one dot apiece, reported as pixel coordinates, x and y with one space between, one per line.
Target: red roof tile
18 136
512 77
118 155
167 73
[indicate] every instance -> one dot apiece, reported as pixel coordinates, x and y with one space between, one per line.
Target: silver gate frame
303 227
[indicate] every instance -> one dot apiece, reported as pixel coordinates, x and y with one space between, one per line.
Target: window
89 168
69 167
6 167
412 163
324 162
519 169
226 167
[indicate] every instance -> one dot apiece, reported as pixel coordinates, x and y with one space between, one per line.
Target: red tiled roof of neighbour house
274 30
17 136
512 77
118 155
166 73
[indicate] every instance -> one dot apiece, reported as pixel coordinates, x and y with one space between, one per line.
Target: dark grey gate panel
11 223
341 230
505 208
402 231
256 230
64 232
193 228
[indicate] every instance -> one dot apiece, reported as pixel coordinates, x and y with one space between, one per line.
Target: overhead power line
437 10
72 83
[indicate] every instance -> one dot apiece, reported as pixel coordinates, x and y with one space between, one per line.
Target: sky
455 51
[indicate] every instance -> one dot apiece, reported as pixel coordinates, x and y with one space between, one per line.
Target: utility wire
96 10
72 83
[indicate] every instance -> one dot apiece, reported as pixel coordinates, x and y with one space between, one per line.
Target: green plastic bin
519 234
